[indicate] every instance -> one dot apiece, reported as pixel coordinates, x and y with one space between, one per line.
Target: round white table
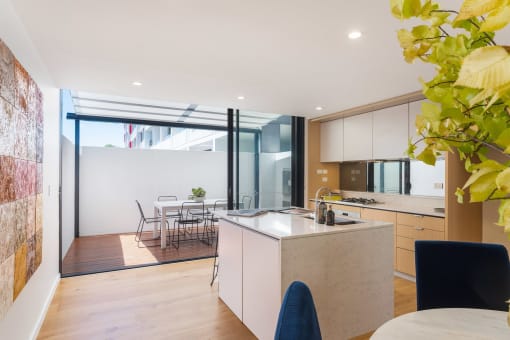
446 323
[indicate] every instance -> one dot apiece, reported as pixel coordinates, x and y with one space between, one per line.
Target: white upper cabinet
332 137
390 132
358 137
414 110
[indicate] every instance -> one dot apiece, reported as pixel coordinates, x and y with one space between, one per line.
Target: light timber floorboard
172 301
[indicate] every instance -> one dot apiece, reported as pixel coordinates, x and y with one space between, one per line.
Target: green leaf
427 156
411 8
503 181
460 195
483 187
410 148
503 139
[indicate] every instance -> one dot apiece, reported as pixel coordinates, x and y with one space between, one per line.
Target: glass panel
264 160
427 180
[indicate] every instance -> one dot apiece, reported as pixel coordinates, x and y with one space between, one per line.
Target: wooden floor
93 254
171 301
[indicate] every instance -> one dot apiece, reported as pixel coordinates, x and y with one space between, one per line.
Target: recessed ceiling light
353 35
240 97
318 108
136 83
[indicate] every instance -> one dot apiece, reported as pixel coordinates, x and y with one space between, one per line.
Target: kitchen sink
338 220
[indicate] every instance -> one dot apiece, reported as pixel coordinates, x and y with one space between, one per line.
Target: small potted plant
198 194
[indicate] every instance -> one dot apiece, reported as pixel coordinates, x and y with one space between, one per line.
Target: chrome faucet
317 201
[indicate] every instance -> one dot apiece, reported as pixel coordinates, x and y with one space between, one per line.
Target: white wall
27 313
111 179
67 194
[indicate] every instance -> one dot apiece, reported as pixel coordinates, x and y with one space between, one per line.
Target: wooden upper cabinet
332 139
358 137
390 132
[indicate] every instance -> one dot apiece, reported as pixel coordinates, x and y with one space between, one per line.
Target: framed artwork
21 159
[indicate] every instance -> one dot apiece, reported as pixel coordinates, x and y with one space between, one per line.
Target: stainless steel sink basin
338 220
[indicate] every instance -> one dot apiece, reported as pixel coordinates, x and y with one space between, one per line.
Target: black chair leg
216 264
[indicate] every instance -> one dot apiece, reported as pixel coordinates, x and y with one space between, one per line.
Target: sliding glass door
262 160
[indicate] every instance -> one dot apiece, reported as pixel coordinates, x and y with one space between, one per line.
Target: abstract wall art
21 158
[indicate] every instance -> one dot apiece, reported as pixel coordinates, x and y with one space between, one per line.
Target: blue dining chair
298 317
461 275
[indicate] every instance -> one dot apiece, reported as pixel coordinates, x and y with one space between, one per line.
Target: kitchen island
349 269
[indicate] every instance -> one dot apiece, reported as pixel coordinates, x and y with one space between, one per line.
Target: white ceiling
284 56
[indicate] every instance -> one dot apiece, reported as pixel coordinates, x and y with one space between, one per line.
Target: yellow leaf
504 214
482 169
405 38
496 20
503 180
474 8
485 68
396 8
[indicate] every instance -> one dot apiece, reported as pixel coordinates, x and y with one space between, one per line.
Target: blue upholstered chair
462 275
298 318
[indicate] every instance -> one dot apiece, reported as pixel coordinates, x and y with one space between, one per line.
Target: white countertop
392 207
284 226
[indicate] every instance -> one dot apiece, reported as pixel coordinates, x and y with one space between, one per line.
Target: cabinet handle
419 228
420 216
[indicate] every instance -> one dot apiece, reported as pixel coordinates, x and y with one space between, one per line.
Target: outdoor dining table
163 207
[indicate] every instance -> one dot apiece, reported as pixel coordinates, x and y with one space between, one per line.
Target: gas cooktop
359 200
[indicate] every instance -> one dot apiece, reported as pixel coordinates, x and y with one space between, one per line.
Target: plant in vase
468 108
198 194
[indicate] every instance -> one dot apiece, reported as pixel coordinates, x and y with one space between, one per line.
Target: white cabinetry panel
358 137
390 132
332 137
231 270
261 283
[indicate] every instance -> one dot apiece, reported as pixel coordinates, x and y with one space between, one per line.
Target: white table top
209 202
446 323
280 226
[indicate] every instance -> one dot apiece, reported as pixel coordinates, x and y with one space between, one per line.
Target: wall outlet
324 179
325 171
319 171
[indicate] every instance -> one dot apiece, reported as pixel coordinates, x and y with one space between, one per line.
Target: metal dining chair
246 202
170 214
144 220
187 221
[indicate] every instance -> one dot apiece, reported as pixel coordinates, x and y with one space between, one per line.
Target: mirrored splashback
405 177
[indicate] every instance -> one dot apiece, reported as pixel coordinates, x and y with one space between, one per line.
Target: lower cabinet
411 227
230 277
385 216
249 277
261 283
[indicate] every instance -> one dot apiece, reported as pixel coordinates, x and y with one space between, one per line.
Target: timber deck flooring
93 254
172 301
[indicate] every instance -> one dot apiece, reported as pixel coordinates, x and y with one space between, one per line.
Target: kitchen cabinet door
261 283
230 277
332 137
358 137
390 132
385 216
